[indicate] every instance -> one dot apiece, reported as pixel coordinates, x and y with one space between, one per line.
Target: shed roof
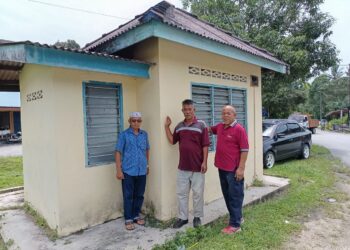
337 112
185 21
79 51
9 108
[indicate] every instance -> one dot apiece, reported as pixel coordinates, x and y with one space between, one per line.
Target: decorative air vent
216 74
194 70
205 72
226 76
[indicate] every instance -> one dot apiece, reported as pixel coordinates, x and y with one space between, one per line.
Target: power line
77 9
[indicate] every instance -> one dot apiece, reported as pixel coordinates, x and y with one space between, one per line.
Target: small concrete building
75 102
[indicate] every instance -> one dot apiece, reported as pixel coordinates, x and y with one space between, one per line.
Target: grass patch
2 244
152 221
11 172
267 225
41 222
257 183
5 245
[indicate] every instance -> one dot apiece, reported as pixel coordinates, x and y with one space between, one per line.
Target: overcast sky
42 21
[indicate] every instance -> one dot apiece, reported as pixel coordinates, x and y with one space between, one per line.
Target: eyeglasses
138 121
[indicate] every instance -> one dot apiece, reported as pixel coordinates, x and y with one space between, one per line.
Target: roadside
312 213
327 227
337 143
270 224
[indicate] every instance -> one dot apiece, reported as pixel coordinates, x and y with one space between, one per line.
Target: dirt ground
329 227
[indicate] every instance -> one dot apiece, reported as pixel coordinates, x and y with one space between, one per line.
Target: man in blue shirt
132 157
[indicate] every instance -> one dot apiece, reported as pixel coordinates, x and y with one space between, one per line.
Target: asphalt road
337 143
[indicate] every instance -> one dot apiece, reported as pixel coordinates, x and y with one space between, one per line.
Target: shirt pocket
142 144
229 138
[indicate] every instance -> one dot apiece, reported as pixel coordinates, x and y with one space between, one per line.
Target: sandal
140 221
129 226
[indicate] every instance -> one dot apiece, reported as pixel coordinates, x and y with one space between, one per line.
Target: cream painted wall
148 99
97 195
39 150
175 86
68 194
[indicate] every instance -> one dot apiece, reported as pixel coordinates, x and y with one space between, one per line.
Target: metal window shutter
221 98
201 96
102 107
238 100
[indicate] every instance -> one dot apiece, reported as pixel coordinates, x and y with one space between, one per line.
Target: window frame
291 130
121 119
212 87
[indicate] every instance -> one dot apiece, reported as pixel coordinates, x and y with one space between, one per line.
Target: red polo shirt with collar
192 138
231 141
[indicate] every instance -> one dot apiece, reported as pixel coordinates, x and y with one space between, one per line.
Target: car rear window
266 126
282 129
294 128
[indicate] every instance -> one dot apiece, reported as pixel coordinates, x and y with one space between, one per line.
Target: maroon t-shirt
192 138
231 141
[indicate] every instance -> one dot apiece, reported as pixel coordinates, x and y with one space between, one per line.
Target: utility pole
320 105
349 95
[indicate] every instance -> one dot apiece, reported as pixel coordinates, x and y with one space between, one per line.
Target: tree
70 44
328 93
296 31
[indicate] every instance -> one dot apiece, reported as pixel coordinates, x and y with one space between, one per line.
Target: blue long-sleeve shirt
133 151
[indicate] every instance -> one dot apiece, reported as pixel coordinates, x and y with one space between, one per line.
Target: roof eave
31 54
155 28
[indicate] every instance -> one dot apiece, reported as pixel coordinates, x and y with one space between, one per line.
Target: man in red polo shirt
230 158
193 138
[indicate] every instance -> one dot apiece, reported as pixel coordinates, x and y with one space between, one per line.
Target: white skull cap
135 115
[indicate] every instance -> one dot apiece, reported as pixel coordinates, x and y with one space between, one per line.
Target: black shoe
179 223
196 222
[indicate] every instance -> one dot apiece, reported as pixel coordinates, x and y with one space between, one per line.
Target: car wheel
305 153
269 159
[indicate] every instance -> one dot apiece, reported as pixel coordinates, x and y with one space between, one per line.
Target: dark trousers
233 192
133 191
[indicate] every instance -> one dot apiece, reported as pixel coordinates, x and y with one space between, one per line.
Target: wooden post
12 127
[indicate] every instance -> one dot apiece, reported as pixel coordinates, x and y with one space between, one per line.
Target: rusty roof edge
155 11
231 34
80 51
276 60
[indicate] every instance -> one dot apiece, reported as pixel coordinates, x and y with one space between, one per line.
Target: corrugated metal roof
178 18
9 70
9 75
5 41
80 51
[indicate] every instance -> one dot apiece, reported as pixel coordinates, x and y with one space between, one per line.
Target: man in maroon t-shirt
230 158
192 135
